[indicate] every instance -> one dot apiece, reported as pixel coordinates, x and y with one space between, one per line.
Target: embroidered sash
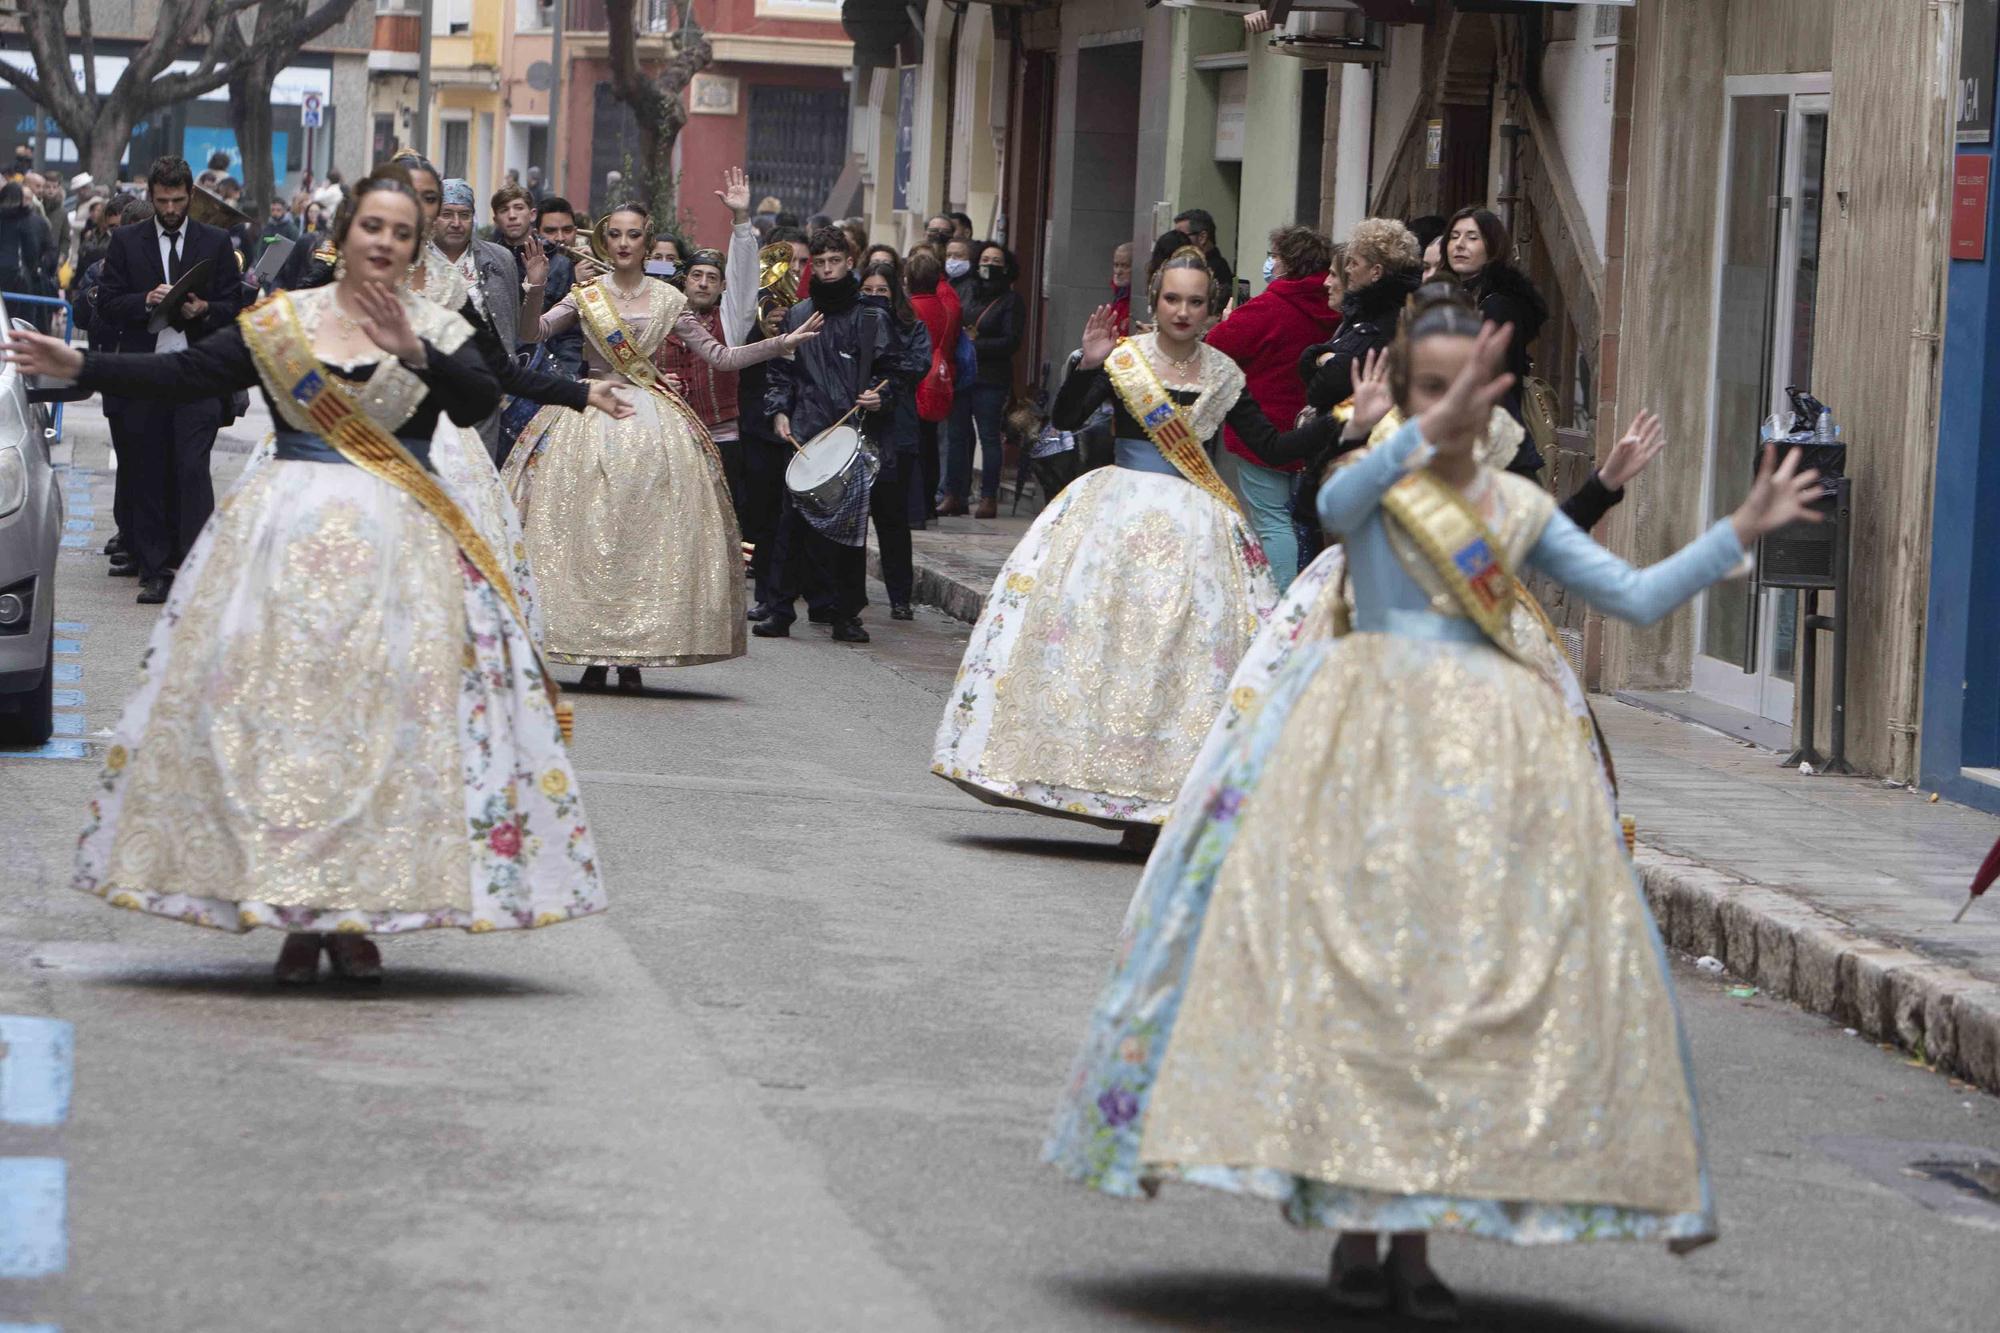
1165 424
1455 542
614 338
311 398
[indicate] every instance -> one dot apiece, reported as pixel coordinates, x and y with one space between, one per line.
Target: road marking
30 1328
69 627
68 698
34 1203
60 749
75 540
37 1056
844 795
77 524
67 647
68 673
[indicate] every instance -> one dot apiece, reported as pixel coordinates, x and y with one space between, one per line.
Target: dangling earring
339 267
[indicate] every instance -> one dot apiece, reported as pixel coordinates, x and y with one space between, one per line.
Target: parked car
31 525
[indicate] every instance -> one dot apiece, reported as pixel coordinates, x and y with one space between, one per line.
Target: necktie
174 255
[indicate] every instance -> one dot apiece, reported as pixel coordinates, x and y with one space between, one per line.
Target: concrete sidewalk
1835 893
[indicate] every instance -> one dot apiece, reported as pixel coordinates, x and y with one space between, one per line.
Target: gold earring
339 267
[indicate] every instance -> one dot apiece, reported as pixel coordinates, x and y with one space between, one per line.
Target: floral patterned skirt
460 459
1388 967
1105 650
340 727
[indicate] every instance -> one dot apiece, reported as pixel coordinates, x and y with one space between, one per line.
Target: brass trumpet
777 279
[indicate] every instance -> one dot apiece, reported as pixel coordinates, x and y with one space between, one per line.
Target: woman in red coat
936 304
1265 336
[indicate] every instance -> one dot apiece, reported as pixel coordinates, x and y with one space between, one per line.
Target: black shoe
772 628
759 612
153 591
901 611
123 567
1422 1298
629 681
819 617
116 546
849 631
1364 1289
595 678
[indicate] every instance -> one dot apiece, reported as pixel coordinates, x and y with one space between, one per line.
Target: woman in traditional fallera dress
1389 966
629 524
1110 634
343 728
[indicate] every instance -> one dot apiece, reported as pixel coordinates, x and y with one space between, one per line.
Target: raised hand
1372 398
735 193
39 354
1641 444
1100 336
1454 423
534 261
1782 494
804 333
1257 20
386 323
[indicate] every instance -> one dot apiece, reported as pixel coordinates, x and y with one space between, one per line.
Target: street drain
1975 1176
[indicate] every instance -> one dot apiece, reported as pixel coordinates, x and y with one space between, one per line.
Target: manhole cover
1957 1180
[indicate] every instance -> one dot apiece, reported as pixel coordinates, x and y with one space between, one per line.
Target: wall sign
1975 70
1232 114
1970 189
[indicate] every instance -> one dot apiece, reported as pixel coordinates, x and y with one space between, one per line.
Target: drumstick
800 448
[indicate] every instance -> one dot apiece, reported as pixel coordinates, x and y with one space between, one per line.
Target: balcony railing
656 17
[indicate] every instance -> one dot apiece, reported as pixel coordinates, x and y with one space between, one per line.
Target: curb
1791 949
1787 947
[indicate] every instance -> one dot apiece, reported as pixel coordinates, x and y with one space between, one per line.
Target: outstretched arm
1352 493
1566 554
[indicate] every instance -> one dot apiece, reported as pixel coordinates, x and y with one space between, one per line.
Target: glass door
1767 286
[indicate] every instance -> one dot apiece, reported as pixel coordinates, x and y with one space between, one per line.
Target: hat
458 193
712 258
78 181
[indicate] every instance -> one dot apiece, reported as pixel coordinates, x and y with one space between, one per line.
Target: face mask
660 268
988 272
957 268
1270 267
879 302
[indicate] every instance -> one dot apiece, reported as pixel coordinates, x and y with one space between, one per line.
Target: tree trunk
105 139
250 115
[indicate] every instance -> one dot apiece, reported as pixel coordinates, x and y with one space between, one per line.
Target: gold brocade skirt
633 539
1390 966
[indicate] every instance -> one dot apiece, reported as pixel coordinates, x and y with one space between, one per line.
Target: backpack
934 391
965 359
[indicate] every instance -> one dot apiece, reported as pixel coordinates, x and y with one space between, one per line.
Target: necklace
1178 363
342 318
624 295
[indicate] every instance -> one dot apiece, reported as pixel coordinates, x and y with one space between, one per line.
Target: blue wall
1961 718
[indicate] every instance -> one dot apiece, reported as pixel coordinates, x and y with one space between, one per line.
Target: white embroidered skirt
339 727
1105 650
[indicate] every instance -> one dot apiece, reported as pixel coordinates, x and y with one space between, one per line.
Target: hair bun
1433 295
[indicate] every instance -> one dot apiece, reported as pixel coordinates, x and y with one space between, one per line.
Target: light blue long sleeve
1350 496
1567 554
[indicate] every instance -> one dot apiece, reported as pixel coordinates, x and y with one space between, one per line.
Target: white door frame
1759 692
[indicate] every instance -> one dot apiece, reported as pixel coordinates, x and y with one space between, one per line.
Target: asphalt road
798 1077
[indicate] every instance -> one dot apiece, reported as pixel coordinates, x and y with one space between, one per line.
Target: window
534 15
457 148
451 18
385 136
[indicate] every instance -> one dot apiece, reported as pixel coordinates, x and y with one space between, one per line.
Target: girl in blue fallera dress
1389 966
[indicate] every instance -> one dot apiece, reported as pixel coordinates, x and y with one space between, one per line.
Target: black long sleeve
1592 501
534 385
1273 447
1082 393
460 384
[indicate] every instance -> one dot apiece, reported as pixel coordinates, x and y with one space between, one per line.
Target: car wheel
34 720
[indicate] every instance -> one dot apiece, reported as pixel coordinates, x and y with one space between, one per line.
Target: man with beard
857 361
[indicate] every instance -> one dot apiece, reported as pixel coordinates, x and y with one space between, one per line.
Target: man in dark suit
170 494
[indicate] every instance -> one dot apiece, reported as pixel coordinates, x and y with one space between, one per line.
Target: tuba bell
206 206
777 280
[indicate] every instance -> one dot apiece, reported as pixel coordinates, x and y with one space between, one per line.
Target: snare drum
821 474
